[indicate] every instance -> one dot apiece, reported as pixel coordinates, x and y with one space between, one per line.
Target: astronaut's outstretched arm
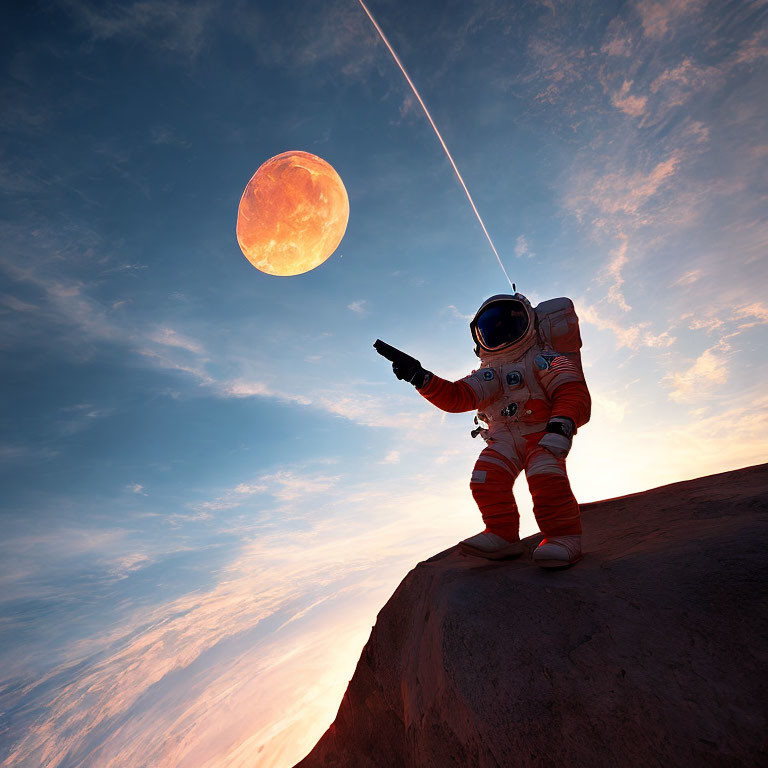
450 396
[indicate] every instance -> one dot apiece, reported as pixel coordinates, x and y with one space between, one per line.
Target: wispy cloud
455 312
630 335
165 361
522 248
708 373
689 277
393 457
756 313
81 417
165 135
122 567
658 17
618 260
754 48
25 452
630 104
249 388
290 486
618 199
347 400
38 564
555 68
358 307
170 25
17 305
285 485
679 83
729 319
169 337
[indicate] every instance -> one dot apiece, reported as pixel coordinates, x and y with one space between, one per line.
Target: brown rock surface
650 652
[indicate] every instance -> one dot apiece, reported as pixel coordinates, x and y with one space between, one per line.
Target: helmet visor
500 324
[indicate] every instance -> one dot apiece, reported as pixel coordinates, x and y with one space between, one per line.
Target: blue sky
211 481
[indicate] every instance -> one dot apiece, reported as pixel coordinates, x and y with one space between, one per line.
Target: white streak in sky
437 133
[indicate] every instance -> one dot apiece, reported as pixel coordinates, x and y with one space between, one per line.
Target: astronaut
533 399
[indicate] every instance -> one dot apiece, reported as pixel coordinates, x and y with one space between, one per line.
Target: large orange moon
292 215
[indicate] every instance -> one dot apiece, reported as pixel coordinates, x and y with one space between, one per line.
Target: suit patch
478 476
562 363
542 361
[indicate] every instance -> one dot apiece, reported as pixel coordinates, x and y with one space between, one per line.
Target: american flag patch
561 363
555 364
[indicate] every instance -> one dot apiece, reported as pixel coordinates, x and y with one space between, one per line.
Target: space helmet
504 323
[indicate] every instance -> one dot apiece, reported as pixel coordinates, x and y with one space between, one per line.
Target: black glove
409 369
561 425
405 367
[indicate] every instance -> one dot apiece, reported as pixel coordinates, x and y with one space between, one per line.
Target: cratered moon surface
292 215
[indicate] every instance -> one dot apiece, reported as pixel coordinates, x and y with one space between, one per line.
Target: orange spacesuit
531 393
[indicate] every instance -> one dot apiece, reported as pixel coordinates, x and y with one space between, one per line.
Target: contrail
440 138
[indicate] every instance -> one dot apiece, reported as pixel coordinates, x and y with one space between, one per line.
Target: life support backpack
559 328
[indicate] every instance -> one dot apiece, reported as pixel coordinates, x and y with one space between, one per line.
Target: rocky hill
652 651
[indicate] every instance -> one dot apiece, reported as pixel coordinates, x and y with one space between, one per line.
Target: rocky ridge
651 651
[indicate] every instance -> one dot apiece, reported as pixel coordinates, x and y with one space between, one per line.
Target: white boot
558 551
491 546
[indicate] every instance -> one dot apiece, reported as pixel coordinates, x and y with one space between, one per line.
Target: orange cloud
634 106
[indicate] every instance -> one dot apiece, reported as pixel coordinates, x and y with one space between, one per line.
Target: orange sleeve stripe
454 397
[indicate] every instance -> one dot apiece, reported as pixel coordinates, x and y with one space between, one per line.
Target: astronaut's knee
490 481
544 463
